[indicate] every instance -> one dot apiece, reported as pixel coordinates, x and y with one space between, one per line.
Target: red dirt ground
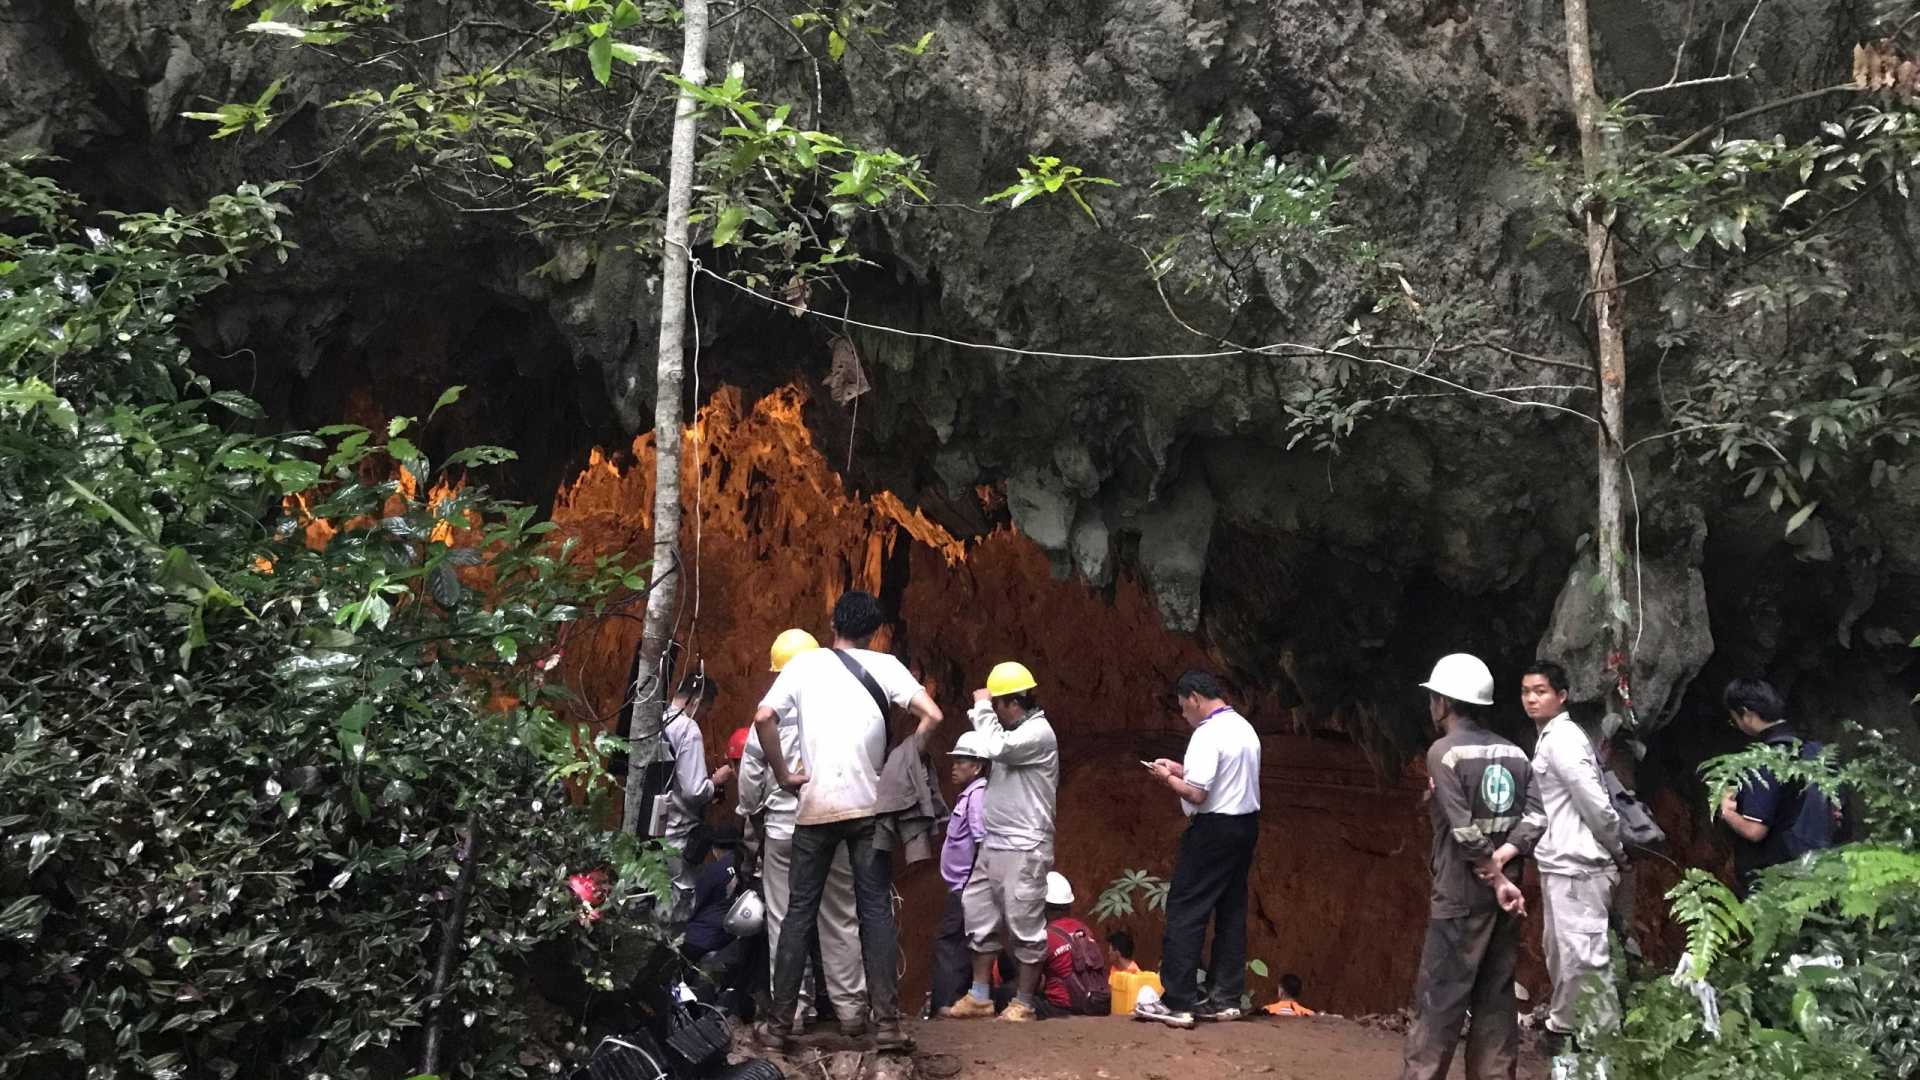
1117 1048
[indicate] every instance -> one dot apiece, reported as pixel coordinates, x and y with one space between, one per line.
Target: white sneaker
1159 1013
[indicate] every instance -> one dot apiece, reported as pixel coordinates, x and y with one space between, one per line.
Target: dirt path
1117 1048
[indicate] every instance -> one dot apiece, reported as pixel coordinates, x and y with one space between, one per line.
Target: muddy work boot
968 1008
1019 1012
890 1037
855 1028
773 1037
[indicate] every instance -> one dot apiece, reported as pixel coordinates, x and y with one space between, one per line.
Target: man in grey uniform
693 786
1573 832
1005 898
1479 783
770 810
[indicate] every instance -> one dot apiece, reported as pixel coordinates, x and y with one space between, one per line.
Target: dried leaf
846 380
798 292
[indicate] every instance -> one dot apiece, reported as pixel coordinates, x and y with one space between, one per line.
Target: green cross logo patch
1496 789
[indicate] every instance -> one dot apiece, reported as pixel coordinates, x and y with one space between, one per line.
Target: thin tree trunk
451 934
1609 319
652 692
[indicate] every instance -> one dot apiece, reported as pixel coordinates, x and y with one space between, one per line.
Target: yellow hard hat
1009 678
789 644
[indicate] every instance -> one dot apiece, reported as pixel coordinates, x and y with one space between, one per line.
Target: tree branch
1748 114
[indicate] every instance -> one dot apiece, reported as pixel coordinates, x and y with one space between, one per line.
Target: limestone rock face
1330 581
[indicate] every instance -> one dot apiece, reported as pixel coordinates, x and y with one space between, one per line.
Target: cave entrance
1339 889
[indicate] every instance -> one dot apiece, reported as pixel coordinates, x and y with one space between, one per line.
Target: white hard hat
968 745
747 916
1462 677
1059 890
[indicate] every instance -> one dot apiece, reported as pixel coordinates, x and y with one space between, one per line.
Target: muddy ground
1117 1048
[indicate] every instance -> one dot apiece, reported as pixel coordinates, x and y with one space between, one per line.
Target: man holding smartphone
1219 789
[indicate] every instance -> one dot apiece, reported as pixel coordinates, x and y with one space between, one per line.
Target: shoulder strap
866 680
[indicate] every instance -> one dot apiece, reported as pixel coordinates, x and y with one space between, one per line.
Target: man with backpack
1076 966
1772 822
1004 899
840 698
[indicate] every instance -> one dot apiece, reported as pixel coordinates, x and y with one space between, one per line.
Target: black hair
1555 675
1757 695
699 844
856 615
697 686
1290 986
1465 710
1122 943
1026 699
1204 683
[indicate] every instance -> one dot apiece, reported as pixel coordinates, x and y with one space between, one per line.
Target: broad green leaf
600 57
728 224
447 397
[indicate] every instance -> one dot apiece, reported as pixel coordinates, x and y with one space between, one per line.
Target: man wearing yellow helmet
841 698
1005 896
770 811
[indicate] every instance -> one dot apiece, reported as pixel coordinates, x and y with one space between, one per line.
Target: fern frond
1715 919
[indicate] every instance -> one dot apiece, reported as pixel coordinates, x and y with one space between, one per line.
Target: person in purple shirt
952 960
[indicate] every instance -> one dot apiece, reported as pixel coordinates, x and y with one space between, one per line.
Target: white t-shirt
843 737
1223 759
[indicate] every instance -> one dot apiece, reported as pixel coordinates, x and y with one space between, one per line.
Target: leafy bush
1817 972
267 801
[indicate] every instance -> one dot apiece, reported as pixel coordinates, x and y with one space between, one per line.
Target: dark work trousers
813 848
952 960
1467 966
1209 883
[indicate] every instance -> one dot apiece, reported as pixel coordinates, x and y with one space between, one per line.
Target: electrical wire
1278 348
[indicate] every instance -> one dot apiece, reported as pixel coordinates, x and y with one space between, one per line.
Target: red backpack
1087 988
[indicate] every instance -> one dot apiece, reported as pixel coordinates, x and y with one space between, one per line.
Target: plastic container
1126 987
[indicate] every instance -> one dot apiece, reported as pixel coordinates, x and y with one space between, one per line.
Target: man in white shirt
1219 789
770 811
1573 831
840 697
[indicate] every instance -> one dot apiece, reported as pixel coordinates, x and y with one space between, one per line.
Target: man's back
1480 783
1798 819
843 734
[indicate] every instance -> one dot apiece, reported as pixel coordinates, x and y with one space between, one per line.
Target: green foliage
239 776
1765 372
241 116
1116 899
783 196
1049 177
1253 208
1814 972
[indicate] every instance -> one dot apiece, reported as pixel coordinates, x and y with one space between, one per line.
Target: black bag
695 1041
633 1056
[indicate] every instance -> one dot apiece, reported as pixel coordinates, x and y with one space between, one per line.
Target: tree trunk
451 932
1609 334
651 694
